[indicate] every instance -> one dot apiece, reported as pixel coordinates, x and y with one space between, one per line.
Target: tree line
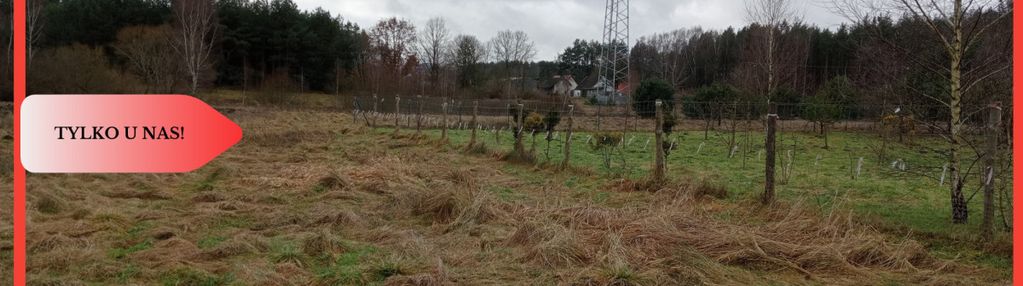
137 45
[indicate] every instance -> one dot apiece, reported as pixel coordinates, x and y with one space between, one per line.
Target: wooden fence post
475 112
994 123
355 108
376 112
568 139
459 107
419 116
518 131
772 121
444 121
397 114
659 143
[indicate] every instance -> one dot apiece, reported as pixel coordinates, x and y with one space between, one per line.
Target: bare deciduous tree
957 27
467 53
510 48
672 55
392 44
34 28
150 56
196 25
433 42
769 14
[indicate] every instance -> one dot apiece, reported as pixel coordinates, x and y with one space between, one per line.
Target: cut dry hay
437 277
549 244
323 243
791 239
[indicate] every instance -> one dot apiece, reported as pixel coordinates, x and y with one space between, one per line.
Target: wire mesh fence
902 120
739 126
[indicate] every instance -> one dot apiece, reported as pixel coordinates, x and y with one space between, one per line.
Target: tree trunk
659 146
769 146
960 210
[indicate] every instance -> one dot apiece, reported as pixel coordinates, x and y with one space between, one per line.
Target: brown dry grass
307 198
6 193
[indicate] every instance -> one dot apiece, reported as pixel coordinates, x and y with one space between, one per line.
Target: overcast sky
554 24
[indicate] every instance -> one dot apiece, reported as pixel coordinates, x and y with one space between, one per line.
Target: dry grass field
311 198
6 193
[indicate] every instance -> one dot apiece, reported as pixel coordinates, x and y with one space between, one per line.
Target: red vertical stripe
1017 123
19 171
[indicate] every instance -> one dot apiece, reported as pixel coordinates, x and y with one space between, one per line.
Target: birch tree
956 26
196 24
34 26
769 14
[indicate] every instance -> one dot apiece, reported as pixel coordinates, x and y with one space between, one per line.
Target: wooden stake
397 114
475 112
769 144
993 129
659 144
568 139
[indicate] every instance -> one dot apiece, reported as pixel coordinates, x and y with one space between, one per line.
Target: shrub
533 122
829 103
708 100
648 92
551 120
277 88
603 140
788 100
148 53
78 69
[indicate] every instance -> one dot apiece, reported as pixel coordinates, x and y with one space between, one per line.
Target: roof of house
549 84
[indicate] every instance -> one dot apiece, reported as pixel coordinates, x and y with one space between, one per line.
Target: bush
533 122
551 120
669 123
78 69
603 140
277 88
148 53
709 100
788 103
830 102
648 92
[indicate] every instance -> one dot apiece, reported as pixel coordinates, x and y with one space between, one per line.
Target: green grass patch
121 252
210 241
352 268
911 200
193 277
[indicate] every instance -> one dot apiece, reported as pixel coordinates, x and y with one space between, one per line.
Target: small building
560 85
601 90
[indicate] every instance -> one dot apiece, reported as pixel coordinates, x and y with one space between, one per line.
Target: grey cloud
554 24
